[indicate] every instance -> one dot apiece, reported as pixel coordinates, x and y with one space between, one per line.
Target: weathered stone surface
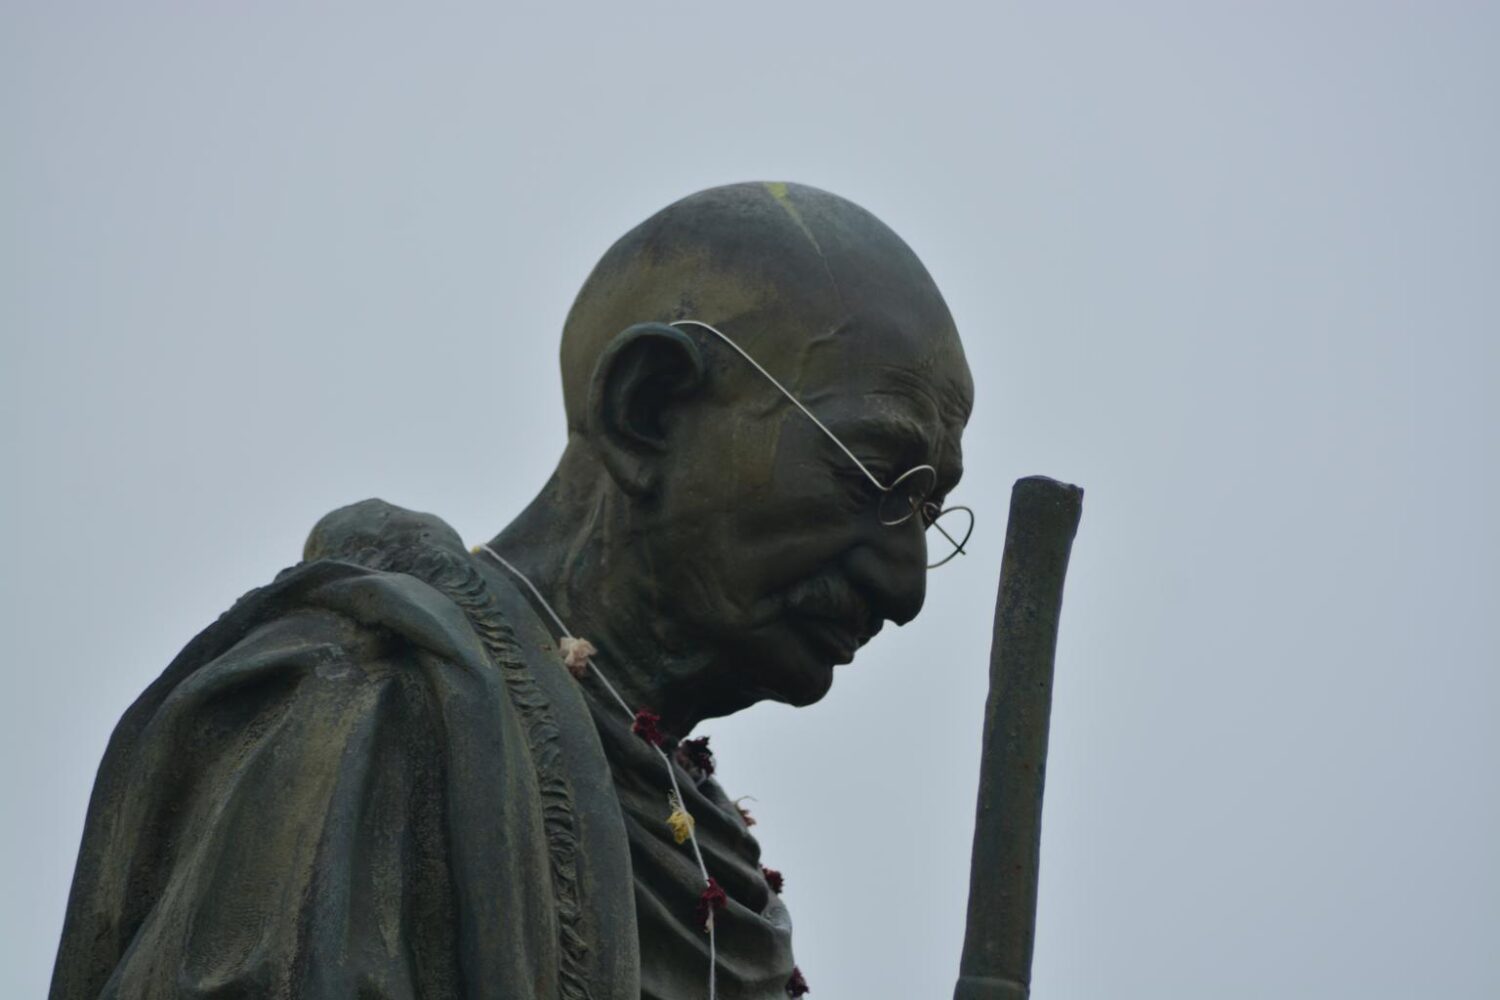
376 777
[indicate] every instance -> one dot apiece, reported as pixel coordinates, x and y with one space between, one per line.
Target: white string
713 958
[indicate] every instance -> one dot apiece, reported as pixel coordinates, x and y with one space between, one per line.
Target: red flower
695 755
797 985
647 726
713 898
773 879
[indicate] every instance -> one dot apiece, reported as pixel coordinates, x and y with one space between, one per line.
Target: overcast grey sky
1232 267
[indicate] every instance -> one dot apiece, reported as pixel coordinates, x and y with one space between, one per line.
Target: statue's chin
792 662
808 687
803 671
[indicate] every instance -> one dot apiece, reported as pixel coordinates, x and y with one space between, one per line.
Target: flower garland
692 755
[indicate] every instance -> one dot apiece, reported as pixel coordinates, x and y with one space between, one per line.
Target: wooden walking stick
1008 824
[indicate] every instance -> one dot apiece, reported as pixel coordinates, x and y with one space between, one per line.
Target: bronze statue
395 771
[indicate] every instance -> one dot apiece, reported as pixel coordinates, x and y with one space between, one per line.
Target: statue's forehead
825 355
865 319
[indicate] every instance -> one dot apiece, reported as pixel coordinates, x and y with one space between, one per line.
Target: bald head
786 266
735 549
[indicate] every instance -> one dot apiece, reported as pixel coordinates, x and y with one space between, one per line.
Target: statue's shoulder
361 750
371 573
364 531
396 570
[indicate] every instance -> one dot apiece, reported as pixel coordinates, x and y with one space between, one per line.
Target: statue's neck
572 544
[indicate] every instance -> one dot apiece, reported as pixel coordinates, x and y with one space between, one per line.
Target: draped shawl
372 778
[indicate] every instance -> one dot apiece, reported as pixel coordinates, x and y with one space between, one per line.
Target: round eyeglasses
907 496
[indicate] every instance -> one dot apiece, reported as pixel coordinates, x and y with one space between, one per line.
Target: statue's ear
641 375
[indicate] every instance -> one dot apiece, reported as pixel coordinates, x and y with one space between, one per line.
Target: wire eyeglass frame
894 507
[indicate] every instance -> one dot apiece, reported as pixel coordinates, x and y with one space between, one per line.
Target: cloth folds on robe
375 778
355 784
754 930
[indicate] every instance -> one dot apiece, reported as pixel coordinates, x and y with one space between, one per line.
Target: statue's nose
890 569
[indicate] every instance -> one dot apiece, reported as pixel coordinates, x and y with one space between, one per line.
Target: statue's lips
830 640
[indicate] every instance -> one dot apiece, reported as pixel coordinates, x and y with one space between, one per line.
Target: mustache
834 598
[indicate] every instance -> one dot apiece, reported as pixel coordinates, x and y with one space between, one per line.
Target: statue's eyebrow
913 441
914 444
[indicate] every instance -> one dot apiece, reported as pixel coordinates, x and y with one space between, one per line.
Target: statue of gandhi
396 772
